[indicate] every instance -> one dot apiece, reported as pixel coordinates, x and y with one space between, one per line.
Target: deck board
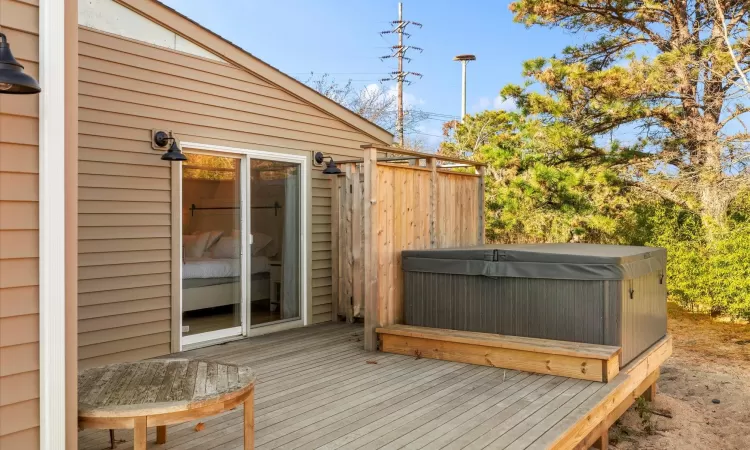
316 389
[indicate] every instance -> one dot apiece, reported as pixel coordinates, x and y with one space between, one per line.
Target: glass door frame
244 182
305 299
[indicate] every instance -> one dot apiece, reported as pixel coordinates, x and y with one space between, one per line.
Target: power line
399 52
446 116
427 134
312 72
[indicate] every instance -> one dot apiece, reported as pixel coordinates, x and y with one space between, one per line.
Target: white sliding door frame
236 331
304 249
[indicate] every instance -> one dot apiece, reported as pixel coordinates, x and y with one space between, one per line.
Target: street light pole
464 60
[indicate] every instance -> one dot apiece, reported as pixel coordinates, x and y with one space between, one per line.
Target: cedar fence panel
381 209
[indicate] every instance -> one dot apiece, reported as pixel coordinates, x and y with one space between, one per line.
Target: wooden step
568 359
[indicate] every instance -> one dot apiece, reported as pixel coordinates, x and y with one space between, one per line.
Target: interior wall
19 238
206 194
127 89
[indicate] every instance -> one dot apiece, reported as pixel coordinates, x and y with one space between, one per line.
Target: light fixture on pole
464 60
12 78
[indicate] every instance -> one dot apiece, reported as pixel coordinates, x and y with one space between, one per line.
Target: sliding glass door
213 275
275 199
242 243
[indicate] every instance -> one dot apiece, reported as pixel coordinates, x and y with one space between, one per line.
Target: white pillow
226 248
194 246
260 241
213 238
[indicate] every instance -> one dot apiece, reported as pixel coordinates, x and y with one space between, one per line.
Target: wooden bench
568 359
161 392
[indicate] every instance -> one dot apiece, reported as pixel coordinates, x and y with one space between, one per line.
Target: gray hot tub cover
555 261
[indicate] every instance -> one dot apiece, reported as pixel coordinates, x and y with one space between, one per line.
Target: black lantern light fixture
161 139
331 168
12 78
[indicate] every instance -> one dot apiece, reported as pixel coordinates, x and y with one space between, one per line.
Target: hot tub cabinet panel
599 294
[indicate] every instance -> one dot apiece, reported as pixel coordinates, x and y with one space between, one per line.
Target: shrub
708 269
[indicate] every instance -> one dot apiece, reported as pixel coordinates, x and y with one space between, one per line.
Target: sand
711 360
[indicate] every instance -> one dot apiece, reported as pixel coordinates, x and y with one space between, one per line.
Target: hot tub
598 294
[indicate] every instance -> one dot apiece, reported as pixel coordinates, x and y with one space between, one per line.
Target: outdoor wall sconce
331 168
12 78
161 139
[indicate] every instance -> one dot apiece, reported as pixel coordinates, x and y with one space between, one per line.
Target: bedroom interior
213 271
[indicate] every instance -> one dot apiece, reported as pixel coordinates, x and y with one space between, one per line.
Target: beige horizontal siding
123 245
126 89
110 258
19 215
123 295
123 345
18 158
19 16
126 332
19 239
125 355
18 388
19 301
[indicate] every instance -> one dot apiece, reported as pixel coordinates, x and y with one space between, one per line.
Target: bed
213 279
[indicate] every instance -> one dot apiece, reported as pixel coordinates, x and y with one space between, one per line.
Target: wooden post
161 434
372 320
249 422
358 226
650 393
432 165
348 262
480 223
335 248
139 433
602 443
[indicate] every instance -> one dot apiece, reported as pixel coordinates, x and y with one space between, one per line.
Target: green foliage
537 188
657 69
661 68
709 270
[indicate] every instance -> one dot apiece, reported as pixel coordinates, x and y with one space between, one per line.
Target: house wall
19 238
126 89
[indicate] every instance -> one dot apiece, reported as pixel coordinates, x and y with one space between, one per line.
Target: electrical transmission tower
401 76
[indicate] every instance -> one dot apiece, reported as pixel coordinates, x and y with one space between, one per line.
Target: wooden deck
317 388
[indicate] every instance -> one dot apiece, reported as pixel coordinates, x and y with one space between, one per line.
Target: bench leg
112 439
249 423
161 434
139 433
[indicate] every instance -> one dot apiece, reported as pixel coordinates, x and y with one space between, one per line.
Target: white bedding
220 268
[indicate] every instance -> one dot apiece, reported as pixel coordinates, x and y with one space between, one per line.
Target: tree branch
661 192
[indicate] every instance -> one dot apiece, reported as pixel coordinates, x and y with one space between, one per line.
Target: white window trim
304 163
52 385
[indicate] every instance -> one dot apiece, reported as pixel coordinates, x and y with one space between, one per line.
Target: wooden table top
159 386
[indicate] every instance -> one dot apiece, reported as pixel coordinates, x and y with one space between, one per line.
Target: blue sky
343 38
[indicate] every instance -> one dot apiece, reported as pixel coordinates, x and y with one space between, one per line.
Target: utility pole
400 76
464 60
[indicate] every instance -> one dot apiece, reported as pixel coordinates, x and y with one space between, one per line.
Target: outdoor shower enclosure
395 200
598 294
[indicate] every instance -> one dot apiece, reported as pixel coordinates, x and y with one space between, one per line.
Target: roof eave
212 42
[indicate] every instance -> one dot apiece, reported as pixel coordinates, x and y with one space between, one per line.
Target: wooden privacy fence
383 207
